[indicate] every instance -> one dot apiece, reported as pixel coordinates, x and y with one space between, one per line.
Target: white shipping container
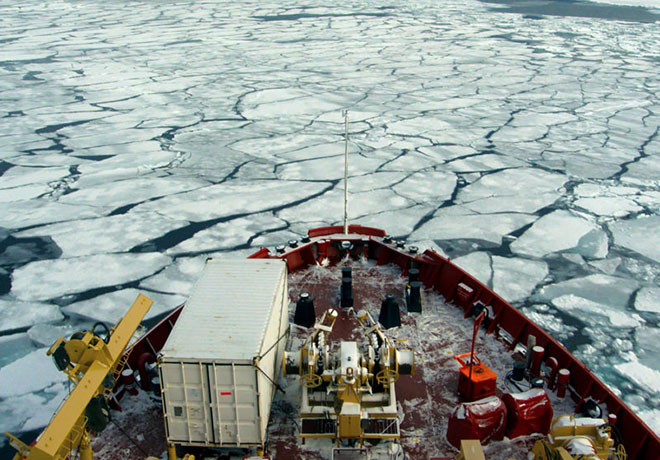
220 362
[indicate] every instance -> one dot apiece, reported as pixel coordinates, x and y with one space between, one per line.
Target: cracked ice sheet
330 206
49 279
515 279
562 231
178 278
477 264
457 223
609 201
597 313
326 169
289 103
598 288
21 175
397 223
230 198
31 411
27 192
647 300
639 235
21 214
512 190
110 307
22 314
111 234
33 372
228 235
112 193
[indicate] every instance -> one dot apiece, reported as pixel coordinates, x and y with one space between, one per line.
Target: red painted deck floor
426 400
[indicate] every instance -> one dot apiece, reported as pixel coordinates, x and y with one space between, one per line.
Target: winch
348 389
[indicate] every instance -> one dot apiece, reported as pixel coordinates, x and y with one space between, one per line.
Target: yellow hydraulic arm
94 359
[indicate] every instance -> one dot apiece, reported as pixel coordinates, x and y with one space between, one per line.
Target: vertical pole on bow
345 114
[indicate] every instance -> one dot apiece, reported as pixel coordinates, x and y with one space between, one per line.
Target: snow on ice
16 315
50 279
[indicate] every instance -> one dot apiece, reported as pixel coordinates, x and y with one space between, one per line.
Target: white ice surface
641 374
109 308
519 190
33 372
44 335
232 198
452 224
477 264
48 279
639 235
598 288
21 314
643 3
227 235
113 193
14 346
608 206
20 214
515 279
397 223
648 299
596 313
562 231
105 235
178 277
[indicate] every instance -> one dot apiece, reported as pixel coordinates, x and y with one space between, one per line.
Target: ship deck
425 399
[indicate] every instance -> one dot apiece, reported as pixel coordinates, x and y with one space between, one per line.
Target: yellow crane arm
67 427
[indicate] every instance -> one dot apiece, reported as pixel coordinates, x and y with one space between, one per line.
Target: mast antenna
345 114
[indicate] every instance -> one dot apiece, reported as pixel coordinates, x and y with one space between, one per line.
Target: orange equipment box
475 381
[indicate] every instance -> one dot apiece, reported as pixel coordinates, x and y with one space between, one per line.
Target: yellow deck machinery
92 362
348 389
580 438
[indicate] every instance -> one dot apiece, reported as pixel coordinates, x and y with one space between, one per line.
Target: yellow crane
92 363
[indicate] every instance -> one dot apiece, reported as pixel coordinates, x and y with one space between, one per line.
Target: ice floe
639 235
109 308
648 299
477 264
104 235
50 279
178 277
640 374
513 190
230 234
233 198
448 224
598 288
594 313
28 213
17 315
515 279
132 190
562 231
44 335
33 372
14 346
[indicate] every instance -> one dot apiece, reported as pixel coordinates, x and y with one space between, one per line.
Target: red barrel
527 412
484 420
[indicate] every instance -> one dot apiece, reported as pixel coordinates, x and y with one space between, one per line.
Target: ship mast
345 114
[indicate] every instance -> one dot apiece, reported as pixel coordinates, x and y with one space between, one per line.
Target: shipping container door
186 402
234 402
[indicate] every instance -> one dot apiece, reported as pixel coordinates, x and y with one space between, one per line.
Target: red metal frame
441 274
